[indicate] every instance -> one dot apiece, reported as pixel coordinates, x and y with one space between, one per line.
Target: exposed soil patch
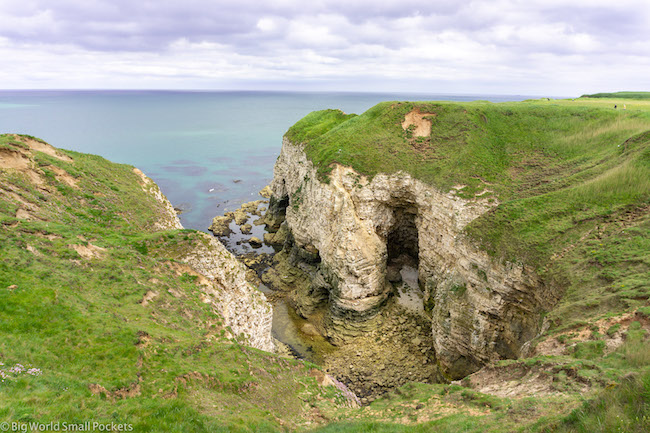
132 390
611 330
143 339
181 269
22 214
327 380
21 159
14 159
33 250
63 176
41 146
49 236
148 297
519 380
417 123
89 251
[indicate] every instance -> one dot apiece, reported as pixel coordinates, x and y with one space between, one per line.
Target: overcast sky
532 47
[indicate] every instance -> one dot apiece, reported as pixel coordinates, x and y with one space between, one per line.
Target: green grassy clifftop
620 95
98 321
572 179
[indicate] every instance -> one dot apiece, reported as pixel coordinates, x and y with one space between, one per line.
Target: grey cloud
152 25
324 39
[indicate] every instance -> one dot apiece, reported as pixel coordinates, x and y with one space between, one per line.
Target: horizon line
277 91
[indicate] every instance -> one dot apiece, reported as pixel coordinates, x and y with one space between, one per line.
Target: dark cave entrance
402 243
279 205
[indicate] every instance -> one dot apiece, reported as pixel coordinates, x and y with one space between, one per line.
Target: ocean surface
208 151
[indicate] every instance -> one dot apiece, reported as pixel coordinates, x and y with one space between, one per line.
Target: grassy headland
97 325
572 180
620 95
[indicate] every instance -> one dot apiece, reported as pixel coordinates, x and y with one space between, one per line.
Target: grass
624 405
80 324
513 145
624 408
621 95
619 400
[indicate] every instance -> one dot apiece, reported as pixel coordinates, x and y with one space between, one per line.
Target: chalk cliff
363 230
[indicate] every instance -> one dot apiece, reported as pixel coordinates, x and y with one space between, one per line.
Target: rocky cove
375 280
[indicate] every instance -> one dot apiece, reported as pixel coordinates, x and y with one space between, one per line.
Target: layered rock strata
244 308
481 309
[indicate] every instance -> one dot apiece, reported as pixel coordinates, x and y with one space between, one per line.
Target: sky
529 47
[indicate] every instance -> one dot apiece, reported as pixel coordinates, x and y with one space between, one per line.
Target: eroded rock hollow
364 233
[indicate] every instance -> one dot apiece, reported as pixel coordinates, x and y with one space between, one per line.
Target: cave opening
402 244
282 203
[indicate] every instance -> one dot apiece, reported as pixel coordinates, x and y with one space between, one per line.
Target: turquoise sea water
208 151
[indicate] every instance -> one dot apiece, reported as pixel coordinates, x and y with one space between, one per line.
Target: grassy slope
620 403
79 321
573 181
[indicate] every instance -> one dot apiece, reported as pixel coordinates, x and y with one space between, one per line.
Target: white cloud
505 46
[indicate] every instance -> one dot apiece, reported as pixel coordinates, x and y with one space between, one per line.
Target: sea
209 151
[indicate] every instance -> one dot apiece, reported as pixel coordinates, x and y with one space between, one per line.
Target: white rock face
481 309
169 219
243 307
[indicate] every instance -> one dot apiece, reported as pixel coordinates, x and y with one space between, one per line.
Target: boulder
255 242
246 229
266 192
251 207
221 225
240 217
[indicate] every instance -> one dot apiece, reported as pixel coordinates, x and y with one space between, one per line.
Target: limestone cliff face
222 277
480 309
243 307
168 218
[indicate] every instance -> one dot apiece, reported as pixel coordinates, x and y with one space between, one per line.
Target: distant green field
620 95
